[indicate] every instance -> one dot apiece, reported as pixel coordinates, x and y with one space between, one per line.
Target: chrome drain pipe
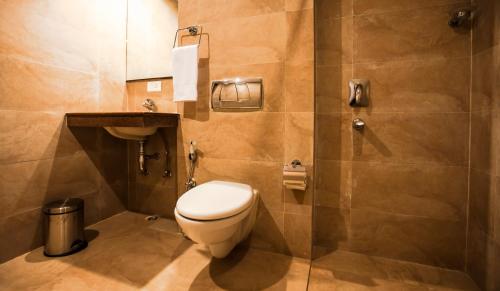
143 157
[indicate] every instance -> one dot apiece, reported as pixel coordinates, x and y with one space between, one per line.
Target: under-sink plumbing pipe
143 157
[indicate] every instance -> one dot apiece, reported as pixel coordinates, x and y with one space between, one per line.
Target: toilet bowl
217 214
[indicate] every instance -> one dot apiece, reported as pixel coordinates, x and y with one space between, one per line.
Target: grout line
309 273
394 112
54 66
409 9
467 210
407 60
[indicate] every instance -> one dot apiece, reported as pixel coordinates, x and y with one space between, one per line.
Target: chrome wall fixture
238 94
359 92
193 30
193 156
149 104
358 124
143 157
460 17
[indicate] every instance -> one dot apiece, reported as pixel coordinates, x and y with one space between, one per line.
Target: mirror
151 27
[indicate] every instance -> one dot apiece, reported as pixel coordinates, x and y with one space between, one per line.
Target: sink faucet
149 105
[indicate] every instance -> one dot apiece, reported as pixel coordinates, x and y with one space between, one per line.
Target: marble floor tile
126 252
343 270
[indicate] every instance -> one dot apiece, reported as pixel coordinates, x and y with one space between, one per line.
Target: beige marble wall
399 188
55 57
269 39
483 240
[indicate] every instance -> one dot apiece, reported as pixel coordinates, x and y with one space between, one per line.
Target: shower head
459 18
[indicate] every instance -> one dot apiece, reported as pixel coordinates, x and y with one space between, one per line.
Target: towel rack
193 30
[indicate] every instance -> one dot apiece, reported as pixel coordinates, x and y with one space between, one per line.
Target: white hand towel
185 73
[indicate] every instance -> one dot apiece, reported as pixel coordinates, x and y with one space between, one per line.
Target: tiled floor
129 253
351 271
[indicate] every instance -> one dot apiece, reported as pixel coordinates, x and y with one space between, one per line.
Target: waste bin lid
63 206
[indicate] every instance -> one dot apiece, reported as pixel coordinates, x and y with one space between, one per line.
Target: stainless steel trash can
63 227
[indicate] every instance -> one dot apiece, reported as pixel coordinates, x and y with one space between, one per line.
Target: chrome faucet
149 105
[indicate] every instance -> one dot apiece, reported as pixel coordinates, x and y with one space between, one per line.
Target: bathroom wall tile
20 233
187 12
496 88
154 199
241 41
300 36
483 259
236 9
112 95
299 132
333 184
28 136
299 87
294 5
334 137
265 177
495 133
206 13
332 88
57 58
113 169
332 227
416 239
268 232
243 8
484 36
439 138
333 9
482 146
385 6
272 74
439 192
111 199
253 136
482 205
92 211
49 88
496 210
298 233
45 33
112 55
390 37
483 82
138 89
334 44
421 86
28 185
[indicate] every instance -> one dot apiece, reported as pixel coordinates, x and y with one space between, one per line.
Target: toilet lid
215 200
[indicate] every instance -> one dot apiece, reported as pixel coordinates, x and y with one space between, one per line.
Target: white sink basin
131 133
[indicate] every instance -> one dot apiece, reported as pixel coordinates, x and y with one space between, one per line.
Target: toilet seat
215 200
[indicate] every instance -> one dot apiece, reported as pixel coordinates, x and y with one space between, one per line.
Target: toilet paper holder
295 176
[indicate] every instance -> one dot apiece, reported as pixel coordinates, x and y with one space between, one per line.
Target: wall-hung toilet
217 214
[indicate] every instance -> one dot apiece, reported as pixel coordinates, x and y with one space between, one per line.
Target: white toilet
217 214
